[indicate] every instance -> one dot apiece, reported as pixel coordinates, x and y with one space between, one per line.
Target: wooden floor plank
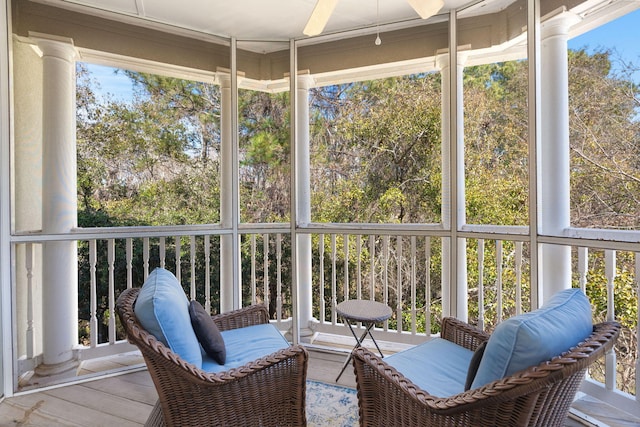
12 414
104 403
325 367
136 387
60 412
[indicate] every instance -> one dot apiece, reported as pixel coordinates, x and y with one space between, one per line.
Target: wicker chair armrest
462 334
256 314
249 392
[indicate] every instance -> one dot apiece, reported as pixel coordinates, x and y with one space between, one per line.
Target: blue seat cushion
531 338
246 345
437 366
162 308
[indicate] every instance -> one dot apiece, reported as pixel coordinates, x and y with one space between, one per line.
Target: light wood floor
127 399
121 400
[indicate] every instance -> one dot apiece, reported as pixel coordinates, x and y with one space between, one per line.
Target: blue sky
118 85
623 34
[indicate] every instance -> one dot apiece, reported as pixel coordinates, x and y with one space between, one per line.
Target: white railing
111 260
401 266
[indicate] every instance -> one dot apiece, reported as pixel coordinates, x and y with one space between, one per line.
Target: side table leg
374 341
358 344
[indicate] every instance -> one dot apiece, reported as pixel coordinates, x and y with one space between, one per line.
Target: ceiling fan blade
319 17
426 8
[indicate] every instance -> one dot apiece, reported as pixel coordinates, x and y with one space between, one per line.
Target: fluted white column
303 199
554 162
454 221
226 194
59 205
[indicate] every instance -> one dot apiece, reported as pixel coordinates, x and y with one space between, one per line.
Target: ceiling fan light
319 17
426 8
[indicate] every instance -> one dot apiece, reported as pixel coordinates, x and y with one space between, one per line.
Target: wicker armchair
538 396
267 392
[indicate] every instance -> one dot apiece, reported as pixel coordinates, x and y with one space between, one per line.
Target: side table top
363 310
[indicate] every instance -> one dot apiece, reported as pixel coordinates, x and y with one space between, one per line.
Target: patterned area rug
331 405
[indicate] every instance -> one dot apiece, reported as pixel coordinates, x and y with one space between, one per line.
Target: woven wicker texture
266 392
538 396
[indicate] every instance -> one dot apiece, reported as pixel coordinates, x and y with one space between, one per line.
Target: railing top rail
594 238
120 233
380 229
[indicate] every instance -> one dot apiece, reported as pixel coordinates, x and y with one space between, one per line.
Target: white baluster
358 266
254 296
610 357
192 248
427 285
129 256
207 273
334 292
178 259
385 274
162 252
279 277
518 260
636 279
31 340
145 256
323 307
345 284
93 317
481 284
111 256
583 258
413 285
372 267
265 266
499 280
399 295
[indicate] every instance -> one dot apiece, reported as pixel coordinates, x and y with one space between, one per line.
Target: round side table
368 313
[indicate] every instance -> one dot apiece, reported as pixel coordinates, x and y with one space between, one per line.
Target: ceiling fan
324 8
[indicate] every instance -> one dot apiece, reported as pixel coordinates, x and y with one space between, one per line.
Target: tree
605 143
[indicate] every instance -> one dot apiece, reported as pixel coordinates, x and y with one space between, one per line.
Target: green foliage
375 150
378 142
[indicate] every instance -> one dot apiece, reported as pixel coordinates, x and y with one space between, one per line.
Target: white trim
145 65
534 144
235 185
293 191
6 376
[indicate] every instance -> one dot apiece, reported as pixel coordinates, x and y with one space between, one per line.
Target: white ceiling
268 20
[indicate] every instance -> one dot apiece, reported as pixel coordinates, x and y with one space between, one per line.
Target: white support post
303 200
226 196
459 219
442 62
59 205
554 164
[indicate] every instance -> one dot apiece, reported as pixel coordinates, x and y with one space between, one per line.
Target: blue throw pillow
531 338
162 308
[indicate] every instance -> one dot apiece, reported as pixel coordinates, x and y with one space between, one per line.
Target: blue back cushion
162 309
531 338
